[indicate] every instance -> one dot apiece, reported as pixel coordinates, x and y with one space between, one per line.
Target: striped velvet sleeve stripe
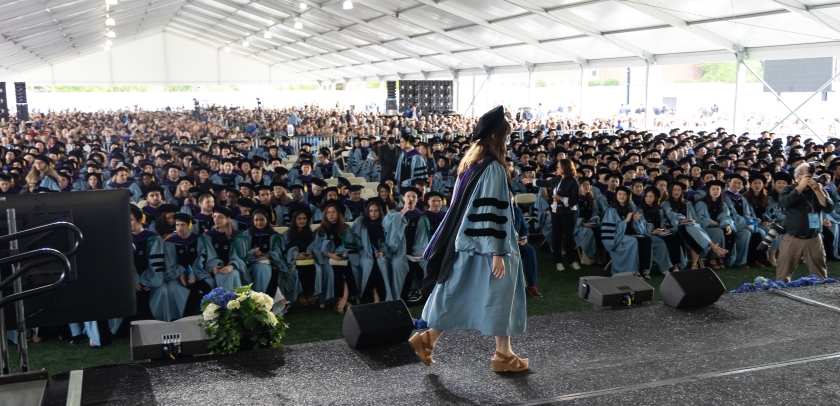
489 201
485 232
475 218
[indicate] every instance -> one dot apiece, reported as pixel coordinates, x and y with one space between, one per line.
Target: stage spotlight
347 5
107 48
267 34
298 25
109 42
227 49
302 6
111 2
110 21
111 34
245 44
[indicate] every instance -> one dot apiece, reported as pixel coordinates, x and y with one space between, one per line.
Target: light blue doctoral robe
202 268
322 245
617 240
716 234
260 272
418 168
367 257
658 247
153 277
239 276
585 236
738 255
290 256
362 168
394 225
775 214
695 230
471 297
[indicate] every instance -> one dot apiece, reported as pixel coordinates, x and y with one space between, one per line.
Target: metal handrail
65 263
77 241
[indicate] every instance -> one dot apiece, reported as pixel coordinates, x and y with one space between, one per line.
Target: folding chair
141 204
526 198
280 230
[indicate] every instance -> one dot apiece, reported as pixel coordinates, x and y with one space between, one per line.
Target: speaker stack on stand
429 96
20 99
4 105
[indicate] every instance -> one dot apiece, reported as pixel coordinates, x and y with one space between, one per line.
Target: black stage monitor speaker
153 339
377 323
621 290
691 288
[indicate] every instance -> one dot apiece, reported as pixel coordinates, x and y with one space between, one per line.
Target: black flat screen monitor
101 283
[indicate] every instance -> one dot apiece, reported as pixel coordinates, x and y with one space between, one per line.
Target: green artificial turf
309 324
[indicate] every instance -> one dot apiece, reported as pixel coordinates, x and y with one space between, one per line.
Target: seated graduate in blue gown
268 269
189 265
407 235
334 253
474 274
150 269
355 203
231 249
299 240
714 216
325 168
373 264
435 212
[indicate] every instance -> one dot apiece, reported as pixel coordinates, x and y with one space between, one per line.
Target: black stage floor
750 349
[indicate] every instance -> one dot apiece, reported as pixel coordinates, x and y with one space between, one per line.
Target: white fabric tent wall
161 59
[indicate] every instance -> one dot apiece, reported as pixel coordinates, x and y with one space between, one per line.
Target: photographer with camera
804 204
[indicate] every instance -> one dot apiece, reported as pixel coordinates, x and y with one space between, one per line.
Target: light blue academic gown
239 276
322 245
136 193
774 213
418 168
695 230
361 167
202 268
290 256
739 253
394 224
658 247
261 272
367 257
471 297
834 228
334 171
584 236
153 277
443 184
716 234
617 240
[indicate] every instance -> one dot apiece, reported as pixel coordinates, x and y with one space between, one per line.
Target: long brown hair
493 146
567 167
756 200
340 225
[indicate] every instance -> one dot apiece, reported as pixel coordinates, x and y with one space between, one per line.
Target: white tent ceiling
427 38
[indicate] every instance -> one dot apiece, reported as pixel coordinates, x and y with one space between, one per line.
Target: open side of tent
265 41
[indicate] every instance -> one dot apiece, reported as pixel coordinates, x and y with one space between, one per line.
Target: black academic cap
337 204
488 123
737 176
623 188
320 182
248 186
224 211
284 185
406 189
430 195
355 188
246 202
716 183
295 186
782 176
343 182
154 188
184 217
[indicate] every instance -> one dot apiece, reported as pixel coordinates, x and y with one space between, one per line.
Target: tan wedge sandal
511 363
421 349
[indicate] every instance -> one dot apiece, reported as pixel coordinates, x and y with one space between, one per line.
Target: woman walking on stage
474 270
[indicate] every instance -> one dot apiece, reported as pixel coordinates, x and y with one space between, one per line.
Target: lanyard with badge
813 217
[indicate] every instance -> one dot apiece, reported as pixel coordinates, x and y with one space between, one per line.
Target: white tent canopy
184 41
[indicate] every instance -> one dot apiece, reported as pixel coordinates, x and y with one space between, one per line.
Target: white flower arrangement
234 318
